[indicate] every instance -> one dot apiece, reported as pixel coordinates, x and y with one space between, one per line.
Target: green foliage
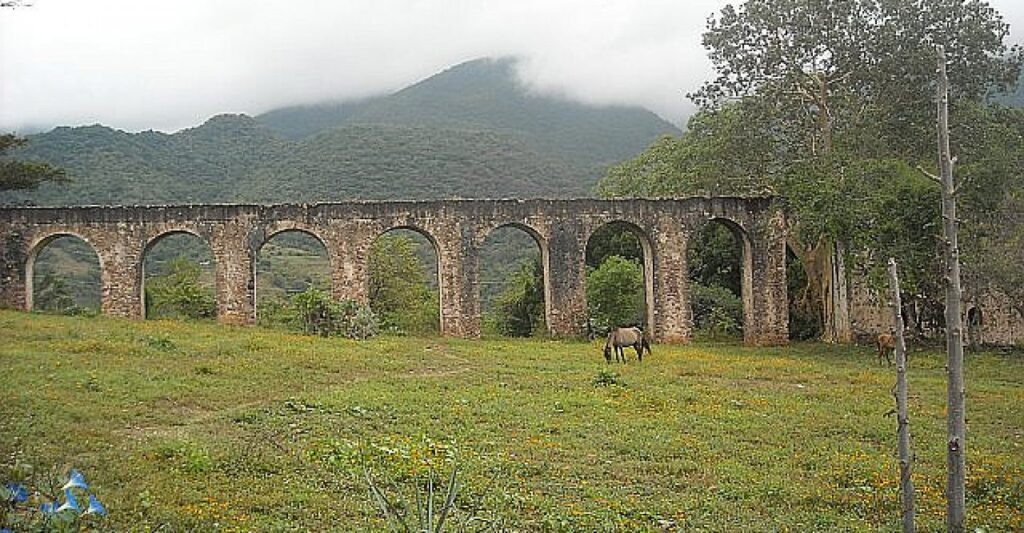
51 295
615 294
179 294
399 293
616 238
717 311
718 155
829 106
519 309
715 257
852 75
319 314
164 343
608 378
19 175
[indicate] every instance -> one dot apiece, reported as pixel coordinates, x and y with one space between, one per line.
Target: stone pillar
120 255
767 322
565 297
458 280
349 249
235 273
673 320
13 269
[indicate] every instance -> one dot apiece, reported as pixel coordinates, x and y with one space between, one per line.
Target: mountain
484 94
470 131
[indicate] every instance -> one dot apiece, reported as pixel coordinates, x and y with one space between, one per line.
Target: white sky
167 65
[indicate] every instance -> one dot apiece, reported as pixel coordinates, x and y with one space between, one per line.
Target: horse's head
608 353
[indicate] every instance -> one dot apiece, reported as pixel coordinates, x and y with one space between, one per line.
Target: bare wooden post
955 419
902 418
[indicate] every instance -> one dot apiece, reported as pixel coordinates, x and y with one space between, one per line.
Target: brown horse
620 338
886 343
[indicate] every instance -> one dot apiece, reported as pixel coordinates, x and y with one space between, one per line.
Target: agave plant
22 508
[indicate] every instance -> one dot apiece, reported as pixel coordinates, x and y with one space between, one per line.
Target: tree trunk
827 290
836 324
902 418
955 418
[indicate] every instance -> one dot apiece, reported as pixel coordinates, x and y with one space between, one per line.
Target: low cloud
169 65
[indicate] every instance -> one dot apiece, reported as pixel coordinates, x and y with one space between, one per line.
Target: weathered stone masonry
457 228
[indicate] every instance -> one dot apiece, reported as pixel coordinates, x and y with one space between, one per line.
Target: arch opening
288 263
513 288
178 278
619 279
63 277
718 258
403 289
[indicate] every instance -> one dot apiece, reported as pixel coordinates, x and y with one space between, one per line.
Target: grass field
183 426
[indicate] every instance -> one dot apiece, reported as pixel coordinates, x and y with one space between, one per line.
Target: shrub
178 294
519 310
615 294
319 314
606 378
717 311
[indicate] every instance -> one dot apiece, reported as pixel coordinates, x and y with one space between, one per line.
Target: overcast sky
167 65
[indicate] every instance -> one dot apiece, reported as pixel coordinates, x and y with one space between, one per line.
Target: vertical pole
955 419
902 418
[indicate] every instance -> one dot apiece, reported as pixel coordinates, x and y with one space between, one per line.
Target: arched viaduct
120 237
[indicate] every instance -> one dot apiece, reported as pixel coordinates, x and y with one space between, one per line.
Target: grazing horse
619 338
886 343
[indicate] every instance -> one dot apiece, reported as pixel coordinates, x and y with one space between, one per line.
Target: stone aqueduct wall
457 228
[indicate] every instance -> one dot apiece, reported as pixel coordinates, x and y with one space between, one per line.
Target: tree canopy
829 105
21 175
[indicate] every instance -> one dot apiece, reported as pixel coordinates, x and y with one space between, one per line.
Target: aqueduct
456 228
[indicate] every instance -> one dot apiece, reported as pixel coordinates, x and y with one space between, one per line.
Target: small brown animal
886 343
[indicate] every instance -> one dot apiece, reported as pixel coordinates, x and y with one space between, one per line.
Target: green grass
199 426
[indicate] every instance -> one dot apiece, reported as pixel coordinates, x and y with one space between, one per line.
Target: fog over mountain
170 65
471 131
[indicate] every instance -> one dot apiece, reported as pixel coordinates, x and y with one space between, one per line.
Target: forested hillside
471 131
484 94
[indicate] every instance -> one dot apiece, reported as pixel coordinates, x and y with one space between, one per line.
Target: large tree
16 175
828 104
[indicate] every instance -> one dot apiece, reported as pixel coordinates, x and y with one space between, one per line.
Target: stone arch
410 227
259 263
147 248
39 244
647 264
746 263
285 228
544 255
